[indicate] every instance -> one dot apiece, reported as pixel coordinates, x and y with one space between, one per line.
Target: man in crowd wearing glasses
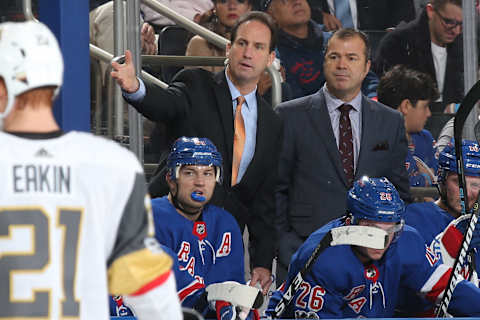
430 44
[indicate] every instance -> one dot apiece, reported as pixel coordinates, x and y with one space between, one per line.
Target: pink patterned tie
345 145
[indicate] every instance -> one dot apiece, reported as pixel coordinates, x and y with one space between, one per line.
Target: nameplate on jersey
41 178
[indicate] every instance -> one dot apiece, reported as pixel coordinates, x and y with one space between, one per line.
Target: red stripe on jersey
439 287
188 290
153 284
451 240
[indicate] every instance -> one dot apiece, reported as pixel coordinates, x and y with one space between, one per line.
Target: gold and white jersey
73 212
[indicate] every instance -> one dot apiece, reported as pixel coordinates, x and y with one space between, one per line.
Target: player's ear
170 182
404 106
3 95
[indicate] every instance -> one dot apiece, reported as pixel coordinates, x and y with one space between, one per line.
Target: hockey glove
226 311
450 240
462 225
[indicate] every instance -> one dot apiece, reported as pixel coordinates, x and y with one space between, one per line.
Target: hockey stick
345 235
466 107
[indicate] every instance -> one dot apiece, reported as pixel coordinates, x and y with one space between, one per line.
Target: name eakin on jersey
41 178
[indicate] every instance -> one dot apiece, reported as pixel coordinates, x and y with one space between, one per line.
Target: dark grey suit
312 186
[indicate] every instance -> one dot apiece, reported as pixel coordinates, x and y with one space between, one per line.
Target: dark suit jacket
381 14
410 45
198 103
312 188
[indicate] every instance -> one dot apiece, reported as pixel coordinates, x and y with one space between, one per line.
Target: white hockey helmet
29 58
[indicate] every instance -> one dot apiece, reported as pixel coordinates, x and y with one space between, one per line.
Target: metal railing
132 27
27 10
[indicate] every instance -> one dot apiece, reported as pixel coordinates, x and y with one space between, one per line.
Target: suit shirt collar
333 102
250 98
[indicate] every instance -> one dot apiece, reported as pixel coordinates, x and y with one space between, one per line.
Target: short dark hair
402 83
261 17
346 33
440 4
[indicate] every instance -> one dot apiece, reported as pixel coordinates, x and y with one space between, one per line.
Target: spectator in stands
366 14
199 103
191 9
301 45
430 44
330 138
101 30
219 20
411 93
420 6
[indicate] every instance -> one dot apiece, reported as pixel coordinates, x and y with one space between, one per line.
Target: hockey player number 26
35 260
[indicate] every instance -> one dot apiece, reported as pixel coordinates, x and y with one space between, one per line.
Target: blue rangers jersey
340 286
421 145
430 220
208 251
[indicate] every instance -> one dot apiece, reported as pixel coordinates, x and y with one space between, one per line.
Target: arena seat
172 40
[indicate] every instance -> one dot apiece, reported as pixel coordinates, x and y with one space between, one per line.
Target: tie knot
240 100
345 108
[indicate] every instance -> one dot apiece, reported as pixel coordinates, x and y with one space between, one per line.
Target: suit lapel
225 109
369 119
318 115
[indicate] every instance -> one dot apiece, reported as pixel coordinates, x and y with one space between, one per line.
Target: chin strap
177 204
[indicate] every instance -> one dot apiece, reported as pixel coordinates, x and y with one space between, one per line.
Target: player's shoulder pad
218 212
103 151
410 235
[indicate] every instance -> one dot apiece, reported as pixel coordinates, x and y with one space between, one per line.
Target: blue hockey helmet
375 199
194 151
471 159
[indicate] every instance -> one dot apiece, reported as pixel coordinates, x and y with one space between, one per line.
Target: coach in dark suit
315 170
199 103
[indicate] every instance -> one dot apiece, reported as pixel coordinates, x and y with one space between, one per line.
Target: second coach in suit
199 103
332 138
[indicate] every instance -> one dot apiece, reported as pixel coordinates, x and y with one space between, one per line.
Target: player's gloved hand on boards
450 240
461 223
226 311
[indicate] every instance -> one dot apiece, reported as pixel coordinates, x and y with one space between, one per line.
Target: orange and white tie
238 139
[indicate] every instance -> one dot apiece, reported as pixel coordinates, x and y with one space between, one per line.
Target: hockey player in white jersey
75 219
351 281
